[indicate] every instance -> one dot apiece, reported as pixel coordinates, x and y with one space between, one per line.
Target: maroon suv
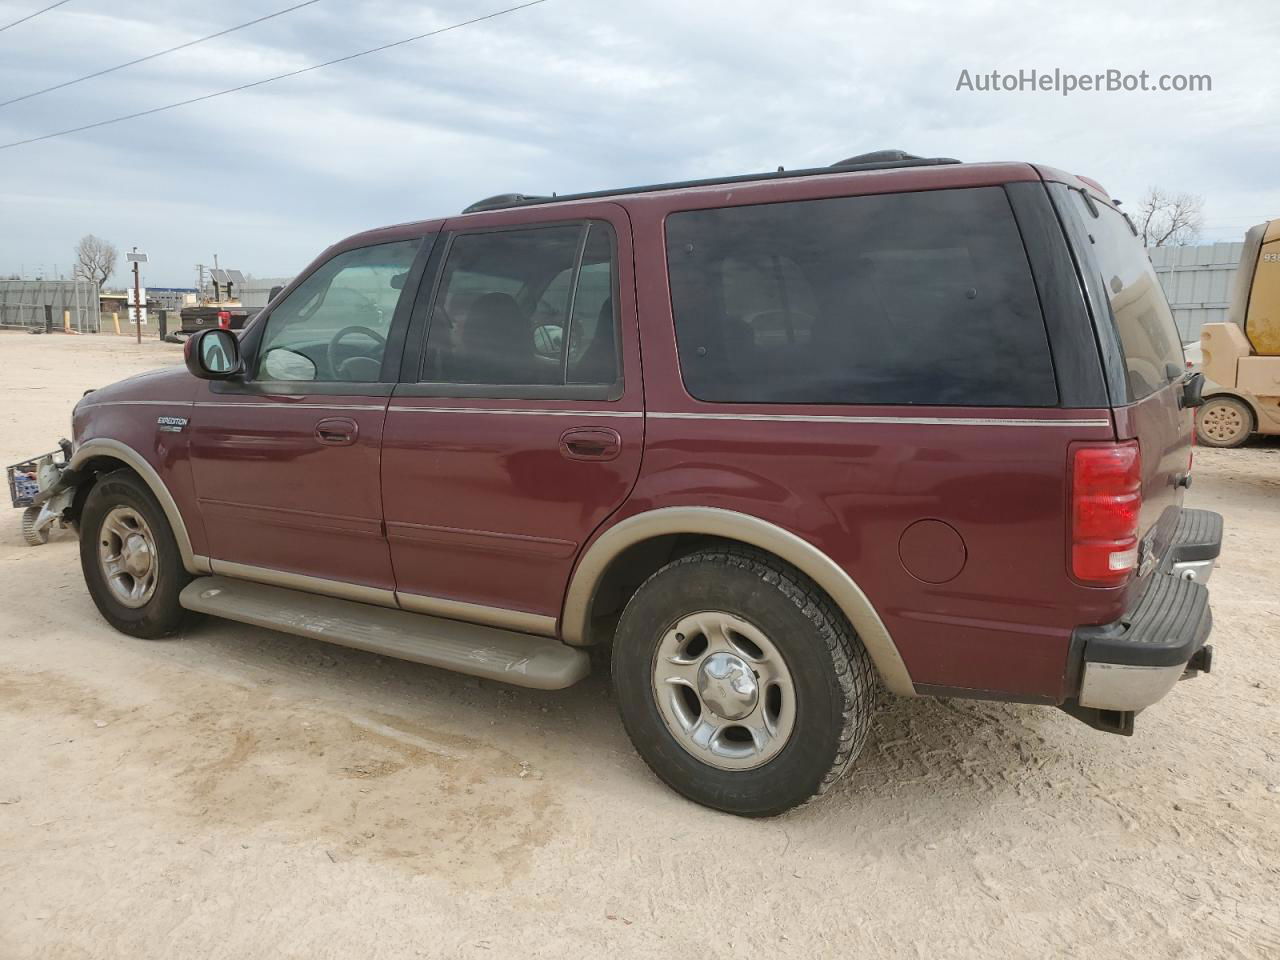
774 438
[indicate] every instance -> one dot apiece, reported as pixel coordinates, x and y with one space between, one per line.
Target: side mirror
275 292
213 354
1192 391
547 339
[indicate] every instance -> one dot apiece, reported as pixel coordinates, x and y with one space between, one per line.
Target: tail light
1106 498
224 319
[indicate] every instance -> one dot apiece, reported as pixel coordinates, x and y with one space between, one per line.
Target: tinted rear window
1139 310
904 298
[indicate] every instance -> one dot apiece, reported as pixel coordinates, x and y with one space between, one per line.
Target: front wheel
130 558
739 682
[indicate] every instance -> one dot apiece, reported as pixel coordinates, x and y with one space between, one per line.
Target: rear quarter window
917 298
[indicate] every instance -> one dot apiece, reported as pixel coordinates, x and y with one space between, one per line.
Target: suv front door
286 460
518 425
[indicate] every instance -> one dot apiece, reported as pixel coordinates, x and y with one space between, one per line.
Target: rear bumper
1196 544
1130 664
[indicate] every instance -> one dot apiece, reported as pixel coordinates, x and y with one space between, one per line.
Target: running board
519 658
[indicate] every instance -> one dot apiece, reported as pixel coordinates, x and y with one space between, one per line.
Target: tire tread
852 665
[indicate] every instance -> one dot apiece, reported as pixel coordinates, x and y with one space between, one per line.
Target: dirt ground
236 793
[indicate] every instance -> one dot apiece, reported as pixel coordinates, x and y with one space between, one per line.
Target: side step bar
518 658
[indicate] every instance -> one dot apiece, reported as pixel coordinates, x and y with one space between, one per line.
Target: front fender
105 448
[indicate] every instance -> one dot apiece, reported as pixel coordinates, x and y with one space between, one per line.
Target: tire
121 502
760 606
34 537
1223 422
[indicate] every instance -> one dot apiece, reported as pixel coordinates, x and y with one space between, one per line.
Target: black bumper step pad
1198 536
1170 623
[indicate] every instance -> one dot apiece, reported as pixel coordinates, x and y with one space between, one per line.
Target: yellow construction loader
1242 356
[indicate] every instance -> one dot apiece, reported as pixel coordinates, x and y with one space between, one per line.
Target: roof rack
876 160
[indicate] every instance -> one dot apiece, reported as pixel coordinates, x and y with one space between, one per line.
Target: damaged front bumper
44 489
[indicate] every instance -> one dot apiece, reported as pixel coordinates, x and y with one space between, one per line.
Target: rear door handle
337 431
590 443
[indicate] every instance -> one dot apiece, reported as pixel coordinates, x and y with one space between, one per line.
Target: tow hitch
1201 662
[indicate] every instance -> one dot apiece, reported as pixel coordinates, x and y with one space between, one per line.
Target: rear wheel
130 558
739 682
1223 422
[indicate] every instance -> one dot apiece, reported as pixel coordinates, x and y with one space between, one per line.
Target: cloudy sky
575 95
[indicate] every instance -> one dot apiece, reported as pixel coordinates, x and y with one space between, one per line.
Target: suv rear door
517 427
1142 356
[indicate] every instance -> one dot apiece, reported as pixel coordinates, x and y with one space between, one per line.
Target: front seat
599 362
495 344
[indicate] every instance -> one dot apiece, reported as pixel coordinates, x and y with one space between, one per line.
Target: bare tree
1170 220
95 258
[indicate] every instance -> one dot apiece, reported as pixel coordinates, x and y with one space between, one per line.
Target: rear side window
903 298
1139 310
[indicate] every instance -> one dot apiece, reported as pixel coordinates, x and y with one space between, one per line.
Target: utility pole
136 258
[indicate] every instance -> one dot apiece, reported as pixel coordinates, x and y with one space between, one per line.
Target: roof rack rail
500 200
890 156
876 160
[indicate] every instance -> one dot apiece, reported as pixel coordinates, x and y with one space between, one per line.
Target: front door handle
590 443
337 431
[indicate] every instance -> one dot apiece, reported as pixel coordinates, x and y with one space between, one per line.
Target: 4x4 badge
171 424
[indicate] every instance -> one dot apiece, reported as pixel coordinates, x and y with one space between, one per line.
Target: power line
282 76
32 16
152 56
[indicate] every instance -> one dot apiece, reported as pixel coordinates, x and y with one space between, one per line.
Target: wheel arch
649 540
101 454
1245 398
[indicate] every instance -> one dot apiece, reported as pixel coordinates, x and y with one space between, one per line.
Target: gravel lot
236 793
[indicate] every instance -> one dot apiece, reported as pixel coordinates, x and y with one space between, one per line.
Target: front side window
526 307
1139 309
920 298
334 326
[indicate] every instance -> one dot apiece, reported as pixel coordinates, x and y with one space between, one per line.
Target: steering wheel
339 369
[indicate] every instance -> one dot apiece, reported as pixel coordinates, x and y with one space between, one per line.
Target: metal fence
1197 281
52 303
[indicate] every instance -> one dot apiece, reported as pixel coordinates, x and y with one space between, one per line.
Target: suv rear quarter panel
852 479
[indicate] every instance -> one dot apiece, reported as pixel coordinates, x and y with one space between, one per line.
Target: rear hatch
1142 354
